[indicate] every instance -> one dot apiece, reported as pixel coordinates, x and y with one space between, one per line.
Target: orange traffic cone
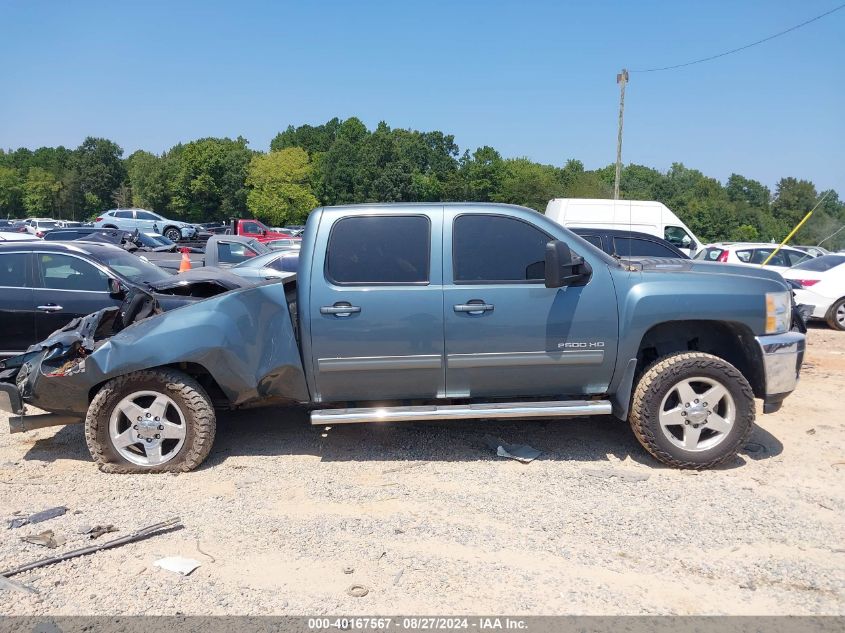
185 264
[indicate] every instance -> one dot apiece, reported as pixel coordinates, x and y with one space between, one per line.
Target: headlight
778 312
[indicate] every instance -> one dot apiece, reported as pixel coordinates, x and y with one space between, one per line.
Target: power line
741 48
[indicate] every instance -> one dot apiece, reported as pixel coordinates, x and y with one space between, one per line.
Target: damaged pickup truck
414 312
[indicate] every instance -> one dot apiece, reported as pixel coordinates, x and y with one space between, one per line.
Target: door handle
50 307
340 309
474 308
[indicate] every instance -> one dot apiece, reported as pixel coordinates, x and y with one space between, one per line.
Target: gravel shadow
287 431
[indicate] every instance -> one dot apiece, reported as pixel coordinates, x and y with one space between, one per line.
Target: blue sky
533 79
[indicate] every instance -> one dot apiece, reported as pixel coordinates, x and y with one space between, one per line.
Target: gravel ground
431 521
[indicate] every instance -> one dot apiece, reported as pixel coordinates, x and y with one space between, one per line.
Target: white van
654 218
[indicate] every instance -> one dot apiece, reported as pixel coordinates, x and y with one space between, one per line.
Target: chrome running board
554 409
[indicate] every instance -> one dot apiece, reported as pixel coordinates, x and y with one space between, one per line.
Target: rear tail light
98 219
39 234
723 256
806 283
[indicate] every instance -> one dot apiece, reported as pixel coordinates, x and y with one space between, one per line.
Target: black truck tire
151 421
673 419
836 315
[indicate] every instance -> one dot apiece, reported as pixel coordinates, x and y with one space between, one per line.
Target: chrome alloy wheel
697 414
147 428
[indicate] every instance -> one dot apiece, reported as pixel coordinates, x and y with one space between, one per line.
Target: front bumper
188 232
782 356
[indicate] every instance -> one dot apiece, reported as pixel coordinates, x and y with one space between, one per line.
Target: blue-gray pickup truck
414 312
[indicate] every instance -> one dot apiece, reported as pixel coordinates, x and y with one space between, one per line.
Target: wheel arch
195 370
730 341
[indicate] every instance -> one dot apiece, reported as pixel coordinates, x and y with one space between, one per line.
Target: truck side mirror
563 268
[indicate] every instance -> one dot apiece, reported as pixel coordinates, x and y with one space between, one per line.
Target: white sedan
822 282
752 253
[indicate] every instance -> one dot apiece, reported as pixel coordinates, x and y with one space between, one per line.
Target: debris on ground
11 585
607 473
178 564
348 570
96 531
151 530
47 538
520 452
357 591
397 576
38 517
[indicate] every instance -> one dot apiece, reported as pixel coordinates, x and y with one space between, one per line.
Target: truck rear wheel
150 421
692 410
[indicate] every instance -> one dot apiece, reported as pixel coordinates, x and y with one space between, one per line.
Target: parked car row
47 284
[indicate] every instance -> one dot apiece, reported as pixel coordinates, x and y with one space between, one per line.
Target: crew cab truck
409 312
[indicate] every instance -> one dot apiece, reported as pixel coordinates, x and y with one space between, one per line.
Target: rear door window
124 215
379 250
13 270
64 272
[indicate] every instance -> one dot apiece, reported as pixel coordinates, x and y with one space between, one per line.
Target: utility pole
621 79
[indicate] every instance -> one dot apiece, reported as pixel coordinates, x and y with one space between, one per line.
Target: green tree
40 192
11 202
100 172
151 177
313 139
793 199
209 178
279 186
529 184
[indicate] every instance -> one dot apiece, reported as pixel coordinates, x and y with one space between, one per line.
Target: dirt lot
432 522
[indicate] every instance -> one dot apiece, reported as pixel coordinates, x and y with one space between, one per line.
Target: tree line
342 162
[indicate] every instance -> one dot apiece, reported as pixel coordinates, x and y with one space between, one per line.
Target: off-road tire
659 378
173 234
830 317
188 395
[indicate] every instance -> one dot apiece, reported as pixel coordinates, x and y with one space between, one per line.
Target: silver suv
145 221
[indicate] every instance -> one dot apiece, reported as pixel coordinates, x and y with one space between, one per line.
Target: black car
629 243
44 285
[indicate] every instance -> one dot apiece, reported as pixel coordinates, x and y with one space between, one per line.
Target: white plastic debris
179 564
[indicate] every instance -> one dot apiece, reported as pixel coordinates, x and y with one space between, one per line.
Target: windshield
131 267
821 264
154 240
46 225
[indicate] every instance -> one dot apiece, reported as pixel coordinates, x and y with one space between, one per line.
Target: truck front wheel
150 421
692 410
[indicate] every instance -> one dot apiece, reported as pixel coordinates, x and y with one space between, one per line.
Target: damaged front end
242 341
62 354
